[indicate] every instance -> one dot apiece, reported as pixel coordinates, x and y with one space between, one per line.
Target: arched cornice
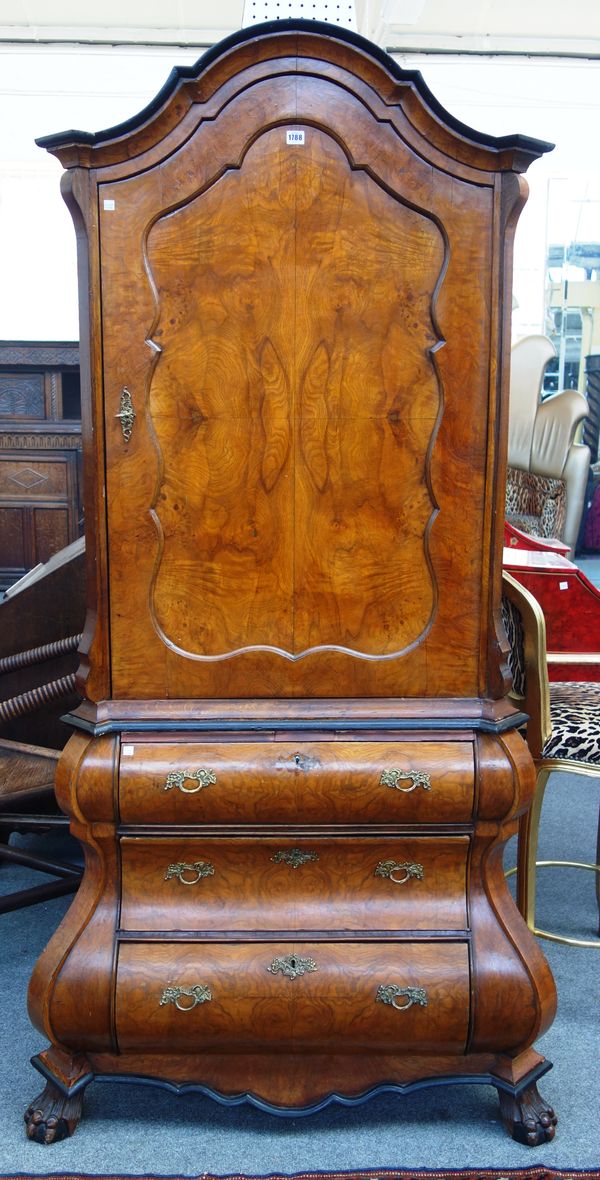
294 43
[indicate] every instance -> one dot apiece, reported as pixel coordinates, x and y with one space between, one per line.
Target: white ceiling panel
124 21
529 26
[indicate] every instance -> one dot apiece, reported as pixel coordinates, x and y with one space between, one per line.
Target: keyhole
293 962
297 759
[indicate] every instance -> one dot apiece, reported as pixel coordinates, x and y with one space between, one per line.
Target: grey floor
139 1130
589 564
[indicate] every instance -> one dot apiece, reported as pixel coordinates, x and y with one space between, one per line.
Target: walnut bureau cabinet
296 766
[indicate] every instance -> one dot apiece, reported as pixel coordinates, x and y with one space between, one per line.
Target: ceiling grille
343 13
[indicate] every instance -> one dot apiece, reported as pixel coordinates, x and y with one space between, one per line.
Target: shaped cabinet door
296 384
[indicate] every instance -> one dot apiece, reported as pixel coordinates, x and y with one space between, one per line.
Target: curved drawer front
360 883
312 782
319 996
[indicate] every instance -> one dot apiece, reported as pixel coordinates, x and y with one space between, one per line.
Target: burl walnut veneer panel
290 375
306 782
281 883
332 1005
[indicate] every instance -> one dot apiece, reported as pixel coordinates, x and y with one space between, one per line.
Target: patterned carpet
533 1173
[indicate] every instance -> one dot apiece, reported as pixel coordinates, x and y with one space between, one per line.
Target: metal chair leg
528 864
598 874
527 851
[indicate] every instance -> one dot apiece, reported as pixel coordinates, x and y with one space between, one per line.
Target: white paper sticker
127 751
109 205
295 137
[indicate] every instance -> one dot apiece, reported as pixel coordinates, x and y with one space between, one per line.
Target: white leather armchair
543 458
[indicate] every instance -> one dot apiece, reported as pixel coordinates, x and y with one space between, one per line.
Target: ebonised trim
68 1091
151 832
475 1079
314 937
319 725
181 74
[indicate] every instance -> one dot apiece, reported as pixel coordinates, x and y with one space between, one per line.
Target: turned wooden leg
527 1118
53 1115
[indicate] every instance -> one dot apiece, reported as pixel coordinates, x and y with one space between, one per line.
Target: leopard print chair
536 504
563 733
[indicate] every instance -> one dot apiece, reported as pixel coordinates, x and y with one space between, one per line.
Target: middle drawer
340 883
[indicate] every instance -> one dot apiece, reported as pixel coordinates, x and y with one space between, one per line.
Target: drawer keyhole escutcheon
294 857
292 966
399 871
392 993
203 777
199 994
199 869
417 778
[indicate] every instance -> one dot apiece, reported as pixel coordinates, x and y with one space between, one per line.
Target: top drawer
274 782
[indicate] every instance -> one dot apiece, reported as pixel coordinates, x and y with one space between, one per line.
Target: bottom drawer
350 997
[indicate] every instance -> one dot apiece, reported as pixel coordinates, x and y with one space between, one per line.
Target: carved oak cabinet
296 767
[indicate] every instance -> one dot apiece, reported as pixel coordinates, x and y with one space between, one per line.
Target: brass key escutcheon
126 413
294 857
292 966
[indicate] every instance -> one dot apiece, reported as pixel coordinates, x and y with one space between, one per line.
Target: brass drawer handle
294 857
200 868
292 966
199 994
126 413
407 869
390 993
418 778
178 778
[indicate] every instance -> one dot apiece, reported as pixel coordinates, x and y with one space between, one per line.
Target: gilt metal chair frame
536 703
